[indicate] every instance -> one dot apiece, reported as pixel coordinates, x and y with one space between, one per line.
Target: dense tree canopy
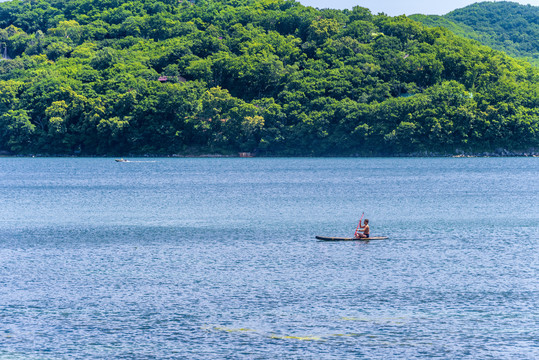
272 76
503 25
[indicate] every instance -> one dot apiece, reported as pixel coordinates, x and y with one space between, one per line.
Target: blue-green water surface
216 258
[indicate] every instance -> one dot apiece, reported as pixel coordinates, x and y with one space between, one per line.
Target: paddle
358 225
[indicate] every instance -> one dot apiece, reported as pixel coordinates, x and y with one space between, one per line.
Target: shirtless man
364 228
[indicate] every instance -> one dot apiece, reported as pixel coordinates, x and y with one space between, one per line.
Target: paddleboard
327 238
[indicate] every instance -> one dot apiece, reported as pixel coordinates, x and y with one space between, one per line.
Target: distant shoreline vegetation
269 77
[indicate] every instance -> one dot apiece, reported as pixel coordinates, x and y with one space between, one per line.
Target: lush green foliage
270 76
505 26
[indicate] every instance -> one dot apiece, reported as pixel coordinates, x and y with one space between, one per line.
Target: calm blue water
216 259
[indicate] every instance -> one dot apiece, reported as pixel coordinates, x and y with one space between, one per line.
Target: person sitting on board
365 228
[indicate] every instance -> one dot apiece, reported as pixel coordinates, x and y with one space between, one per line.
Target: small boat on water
327 238
121 160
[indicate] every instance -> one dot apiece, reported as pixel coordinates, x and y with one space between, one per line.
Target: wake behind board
326 238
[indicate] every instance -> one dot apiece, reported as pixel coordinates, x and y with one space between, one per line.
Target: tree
16 131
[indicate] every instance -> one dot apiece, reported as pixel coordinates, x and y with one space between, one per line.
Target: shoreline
214 156
456 153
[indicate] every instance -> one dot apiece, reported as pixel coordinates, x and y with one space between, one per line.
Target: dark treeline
272 76
503 25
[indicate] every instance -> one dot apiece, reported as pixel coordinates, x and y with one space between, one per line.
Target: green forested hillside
272 76
505 26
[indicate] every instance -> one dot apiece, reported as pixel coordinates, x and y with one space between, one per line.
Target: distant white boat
121 160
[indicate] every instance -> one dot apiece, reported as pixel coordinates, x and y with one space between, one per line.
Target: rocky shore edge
464 154
431 154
